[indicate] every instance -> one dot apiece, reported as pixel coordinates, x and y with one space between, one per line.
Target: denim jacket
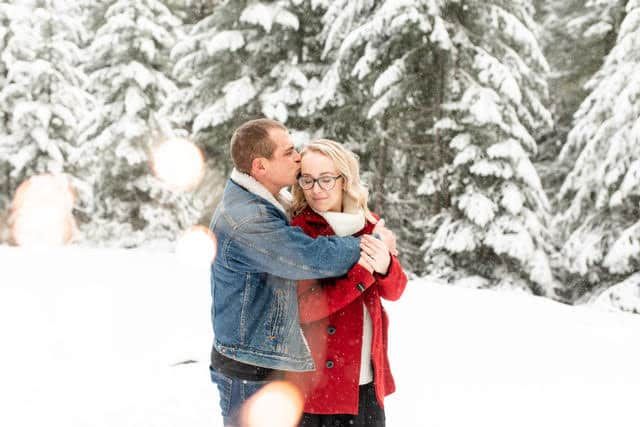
253 279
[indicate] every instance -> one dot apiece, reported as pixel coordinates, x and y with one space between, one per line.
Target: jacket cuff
390 270
362 278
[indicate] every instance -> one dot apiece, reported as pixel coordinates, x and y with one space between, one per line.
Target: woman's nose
316 187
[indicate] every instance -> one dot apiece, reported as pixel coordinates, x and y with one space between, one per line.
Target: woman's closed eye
325 180
305 181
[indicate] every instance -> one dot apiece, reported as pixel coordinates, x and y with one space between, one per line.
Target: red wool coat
332 320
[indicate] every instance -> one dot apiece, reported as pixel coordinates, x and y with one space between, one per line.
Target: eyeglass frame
314 180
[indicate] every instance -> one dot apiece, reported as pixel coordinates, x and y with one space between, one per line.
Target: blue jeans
233 393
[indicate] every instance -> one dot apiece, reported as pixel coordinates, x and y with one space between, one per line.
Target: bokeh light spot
178 163
41 212
197 246
277 404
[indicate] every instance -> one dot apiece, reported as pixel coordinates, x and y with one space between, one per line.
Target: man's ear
258 168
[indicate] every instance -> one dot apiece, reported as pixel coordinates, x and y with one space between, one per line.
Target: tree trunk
381 162
442 197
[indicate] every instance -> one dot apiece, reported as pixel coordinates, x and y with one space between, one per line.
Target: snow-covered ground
96 337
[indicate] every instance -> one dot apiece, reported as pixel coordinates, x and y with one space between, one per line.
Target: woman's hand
364 263
386 236
376 253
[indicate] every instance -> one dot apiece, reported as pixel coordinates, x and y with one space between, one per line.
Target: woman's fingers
373 242
366 243
380 254
364 262
375 248
376 253
388 238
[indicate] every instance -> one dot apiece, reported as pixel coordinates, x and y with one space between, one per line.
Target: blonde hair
355 194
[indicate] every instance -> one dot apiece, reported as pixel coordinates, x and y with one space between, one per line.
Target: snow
484 167
623 254
236 94
134 101
389 77
266 15
483 105
380 106
477 207
630 185
602 153
225 40
460 141
429 184
364 64
100 337
512 198
507 235
456 237
489 359
624 295
439 35
517 33
90 337
540 272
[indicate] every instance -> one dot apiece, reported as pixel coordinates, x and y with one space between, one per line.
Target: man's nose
296 156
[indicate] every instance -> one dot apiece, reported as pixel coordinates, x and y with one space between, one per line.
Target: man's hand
376 253
386 236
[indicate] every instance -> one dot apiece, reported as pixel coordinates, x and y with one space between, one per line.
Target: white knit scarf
349 221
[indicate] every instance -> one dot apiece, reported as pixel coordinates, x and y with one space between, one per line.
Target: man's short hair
251 140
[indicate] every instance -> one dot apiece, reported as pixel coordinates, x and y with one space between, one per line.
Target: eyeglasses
325 182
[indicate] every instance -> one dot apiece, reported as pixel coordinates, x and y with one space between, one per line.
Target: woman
343 318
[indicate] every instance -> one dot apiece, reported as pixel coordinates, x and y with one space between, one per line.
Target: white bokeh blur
179 164
197 246
41 212
278 404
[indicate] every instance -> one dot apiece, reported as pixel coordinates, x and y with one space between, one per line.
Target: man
259 258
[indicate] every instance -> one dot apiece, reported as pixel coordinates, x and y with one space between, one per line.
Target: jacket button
329 364
361 287
331 330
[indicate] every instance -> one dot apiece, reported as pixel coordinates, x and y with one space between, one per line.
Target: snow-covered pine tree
41 97
601 195
7 14
456 97
577 37
191 11
5 167
127 63
247 59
